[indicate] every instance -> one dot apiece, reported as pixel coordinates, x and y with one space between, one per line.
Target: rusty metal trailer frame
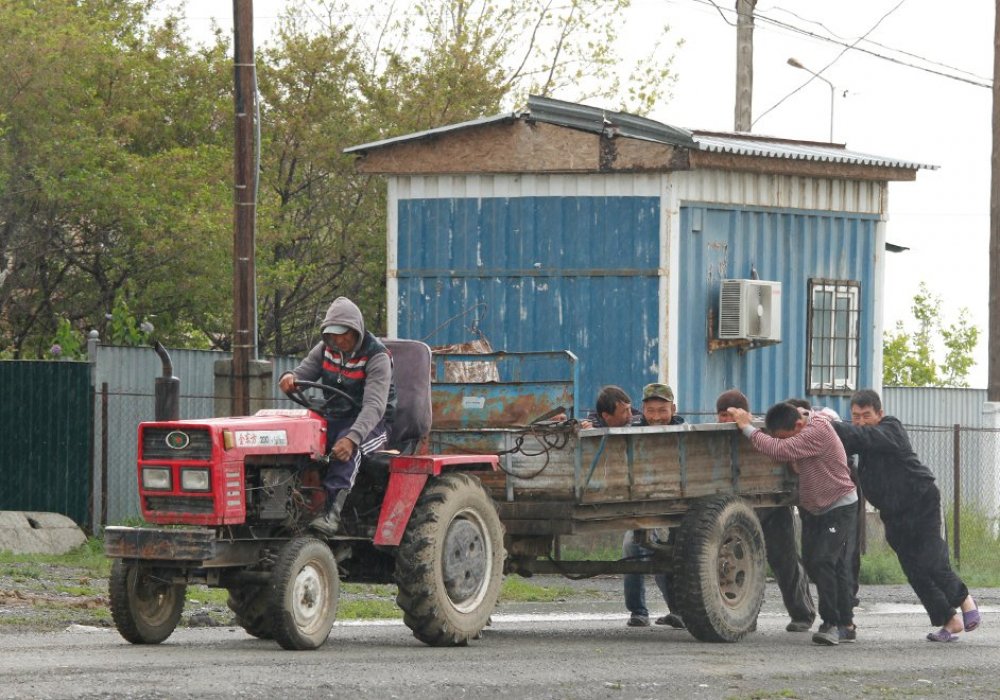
557 479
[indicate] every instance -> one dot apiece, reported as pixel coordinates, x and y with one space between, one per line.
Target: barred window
834 326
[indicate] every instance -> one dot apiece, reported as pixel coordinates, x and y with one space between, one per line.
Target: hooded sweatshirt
365 372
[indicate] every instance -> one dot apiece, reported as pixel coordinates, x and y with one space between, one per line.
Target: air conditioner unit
750 309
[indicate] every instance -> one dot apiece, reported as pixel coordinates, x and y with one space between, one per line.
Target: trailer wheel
303 594
250 606
718 569
449 565
145 609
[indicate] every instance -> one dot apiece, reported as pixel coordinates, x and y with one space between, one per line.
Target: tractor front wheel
145 608
449 565
303 594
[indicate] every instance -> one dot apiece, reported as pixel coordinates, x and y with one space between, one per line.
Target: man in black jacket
902 488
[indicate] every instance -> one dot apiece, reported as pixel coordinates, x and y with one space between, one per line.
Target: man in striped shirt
827 499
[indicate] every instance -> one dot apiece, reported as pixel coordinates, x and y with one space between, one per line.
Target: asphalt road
576 650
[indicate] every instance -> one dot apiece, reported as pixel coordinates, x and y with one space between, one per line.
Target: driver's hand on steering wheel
343 449
287 382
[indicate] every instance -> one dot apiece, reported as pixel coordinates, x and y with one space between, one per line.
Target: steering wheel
298 395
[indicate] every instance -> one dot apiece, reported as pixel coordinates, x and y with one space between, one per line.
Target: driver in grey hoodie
359 416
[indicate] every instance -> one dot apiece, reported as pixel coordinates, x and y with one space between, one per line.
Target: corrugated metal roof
612 124
762 147
550 111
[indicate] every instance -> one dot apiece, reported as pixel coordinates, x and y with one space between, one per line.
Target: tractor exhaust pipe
168 388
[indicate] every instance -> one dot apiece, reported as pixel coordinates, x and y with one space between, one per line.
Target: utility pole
245 187
993 343
744 64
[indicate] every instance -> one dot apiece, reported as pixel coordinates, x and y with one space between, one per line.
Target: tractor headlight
156 478
195 480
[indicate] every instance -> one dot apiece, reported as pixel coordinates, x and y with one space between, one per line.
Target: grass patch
88 556
979 565
80 591
207 596
517 590
597 554
381 590
766 695
881 567
26 572
368 609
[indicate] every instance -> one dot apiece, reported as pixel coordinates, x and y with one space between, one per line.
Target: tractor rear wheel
303 594
249 604
449 565
718 569
145 609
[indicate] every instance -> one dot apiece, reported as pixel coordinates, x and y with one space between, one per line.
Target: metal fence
965 464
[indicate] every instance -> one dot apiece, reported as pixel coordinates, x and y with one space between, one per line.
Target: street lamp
794 63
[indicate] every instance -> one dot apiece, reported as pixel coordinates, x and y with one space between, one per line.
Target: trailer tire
249 604
303 594
449 564
145 610
718 569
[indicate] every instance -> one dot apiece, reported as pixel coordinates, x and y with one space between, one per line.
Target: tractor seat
411 373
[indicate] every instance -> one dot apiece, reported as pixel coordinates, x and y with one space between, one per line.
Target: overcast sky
924 98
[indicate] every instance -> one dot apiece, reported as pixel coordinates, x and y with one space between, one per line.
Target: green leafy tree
116 201
911 358
115 159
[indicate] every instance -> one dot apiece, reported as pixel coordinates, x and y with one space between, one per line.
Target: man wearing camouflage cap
658 408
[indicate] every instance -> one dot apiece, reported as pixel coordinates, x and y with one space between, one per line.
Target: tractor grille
179 504
174 444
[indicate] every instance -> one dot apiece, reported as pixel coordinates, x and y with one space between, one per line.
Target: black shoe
638 621
328 523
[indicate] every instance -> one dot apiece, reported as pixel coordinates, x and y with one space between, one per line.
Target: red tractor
235 496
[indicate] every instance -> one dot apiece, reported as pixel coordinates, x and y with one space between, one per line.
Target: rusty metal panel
45 437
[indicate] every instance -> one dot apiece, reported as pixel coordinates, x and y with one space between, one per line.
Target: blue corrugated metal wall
790 246
537 273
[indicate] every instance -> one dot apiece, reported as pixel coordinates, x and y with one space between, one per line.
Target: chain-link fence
966 464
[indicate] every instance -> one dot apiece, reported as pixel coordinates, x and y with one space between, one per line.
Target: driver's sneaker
638 620
827 635
848 634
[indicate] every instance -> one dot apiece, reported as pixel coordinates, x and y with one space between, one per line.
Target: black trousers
778 525
828 542
915 536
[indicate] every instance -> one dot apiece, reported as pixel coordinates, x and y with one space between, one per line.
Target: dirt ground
47 597
56 642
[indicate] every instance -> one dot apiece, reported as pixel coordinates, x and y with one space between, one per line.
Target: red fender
407 477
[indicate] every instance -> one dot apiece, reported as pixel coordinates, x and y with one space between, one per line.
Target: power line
836 58
979 81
